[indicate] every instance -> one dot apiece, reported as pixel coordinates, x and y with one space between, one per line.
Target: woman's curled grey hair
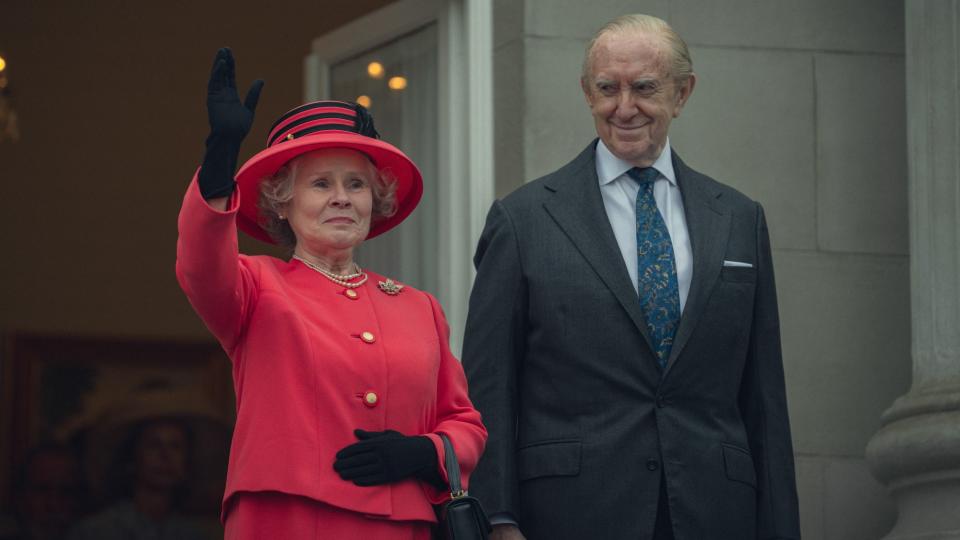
277 190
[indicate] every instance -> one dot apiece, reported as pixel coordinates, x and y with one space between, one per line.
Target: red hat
317 125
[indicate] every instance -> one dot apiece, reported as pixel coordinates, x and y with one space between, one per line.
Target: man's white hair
681 66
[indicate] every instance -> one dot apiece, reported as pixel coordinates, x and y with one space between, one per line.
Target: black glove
230 121
382 457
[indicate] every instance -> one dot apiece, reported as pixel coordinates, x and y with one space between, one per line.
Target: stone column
916 453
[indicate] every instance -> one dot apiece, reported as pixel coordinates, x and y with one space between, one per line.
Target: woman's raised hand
228 117
230 121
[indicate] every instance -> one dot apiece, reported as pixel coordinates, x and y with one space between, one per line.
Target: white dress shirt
619 193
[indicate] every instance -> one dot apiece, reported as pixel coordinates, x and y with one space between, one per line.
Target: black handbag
461 518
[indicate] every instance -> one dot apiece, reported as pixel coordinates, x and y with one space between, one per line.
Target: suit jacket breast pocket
738 274
549 458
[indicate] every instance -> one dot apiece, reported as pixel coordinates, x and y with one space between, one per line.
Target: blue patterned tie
656 269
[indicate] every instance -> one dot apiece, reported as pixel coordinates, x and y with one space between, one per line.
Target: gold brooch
390 287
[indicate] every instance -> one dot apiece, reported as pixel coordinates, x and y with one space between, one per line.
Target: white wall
801 106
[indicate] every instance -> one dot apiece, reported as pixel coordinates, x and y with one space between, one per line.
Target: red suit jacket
311 364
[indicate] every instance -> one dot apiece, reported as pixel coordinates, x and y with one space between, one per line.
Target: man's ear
683 94
587 95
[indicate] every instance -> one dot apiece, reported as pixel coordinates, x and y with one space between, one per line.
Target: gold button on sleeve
370 399
368 337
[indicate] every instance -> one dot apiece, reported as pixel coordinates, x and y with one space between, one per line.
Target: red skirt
271 514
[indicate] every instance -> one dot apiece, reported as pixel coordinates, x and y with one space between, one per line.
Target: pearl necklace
340 279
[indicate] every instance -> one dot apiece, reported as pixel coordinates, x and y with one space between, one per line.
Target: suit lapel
708 223
578 210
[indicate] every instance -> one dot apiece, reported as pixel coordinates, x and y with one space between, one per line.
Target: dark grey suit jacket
582 421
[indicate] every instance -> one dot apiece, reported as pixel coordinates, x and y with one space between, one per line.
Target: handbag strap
453 468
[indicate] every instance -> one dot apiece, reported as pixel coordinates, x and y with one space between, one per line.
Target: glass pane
406 116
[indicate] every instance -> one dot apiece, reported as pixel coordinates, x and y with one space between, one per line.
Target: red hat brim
384 156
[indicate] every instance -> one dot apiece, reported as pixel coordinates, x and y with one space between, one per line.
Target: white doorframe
465 78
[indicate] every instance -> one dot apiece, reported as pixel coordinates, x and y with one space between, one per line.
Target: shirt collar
610 167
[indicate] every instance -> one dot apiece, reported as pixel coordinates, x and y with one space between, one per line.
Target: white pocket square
737 264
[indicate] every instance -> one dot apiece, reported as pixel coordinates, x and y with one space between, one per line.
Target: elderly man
623 339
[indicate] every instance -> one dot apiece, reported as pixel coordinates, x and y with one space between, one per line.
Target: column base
916 454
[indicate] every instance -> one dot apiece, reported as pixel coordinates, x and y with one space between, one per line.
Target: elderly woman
344 378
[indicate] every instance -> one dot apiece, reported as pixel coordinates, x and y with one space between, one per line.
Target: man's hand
506 532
